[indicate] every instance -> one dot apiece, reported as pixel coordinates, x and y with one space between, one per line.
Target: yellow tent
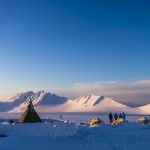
119 120
143 120
95 121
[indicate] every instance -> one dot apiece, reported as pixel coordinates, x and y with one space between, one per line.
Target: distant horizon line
137 91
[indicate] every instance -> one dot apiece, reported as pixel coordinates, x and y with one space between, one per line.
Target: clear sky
47 44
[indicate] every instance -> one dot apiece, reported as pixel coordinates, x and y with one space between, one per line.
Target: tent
30 115
119 120
95 121
143 120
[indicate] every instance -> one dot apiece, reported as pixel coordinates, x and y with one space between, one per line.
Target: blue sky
56 44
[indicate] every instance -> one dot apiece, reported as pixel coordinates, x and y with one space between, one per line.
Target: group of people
116 116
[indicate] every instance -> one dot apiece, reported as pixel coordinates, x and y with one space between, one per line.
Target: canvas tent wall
30 115
143 120
119 120
95 121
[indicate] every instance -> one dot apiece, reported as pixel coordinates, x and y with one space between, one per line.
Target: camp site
74 74
33 130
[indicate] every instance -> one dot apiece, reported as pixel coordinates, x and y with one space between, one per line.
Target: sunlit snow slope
47 102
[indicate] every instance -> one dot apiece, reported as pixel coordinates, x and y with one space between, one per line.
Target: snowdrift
47 129
65 135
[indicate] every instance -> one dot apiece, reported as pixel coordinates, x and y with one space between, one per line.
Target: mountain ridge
49 102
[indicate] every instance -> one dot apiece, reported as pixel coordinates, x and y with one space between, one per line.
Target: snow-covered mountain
144 109
95 103
47 102
41 98
91 100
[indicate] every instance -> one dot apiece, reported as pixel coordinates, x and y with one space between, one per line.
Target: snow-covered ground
72 116
68 135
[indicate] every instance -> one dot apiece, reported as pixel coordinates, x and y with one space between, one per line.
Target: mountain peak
42 91
90 100
48 102
19 98
38 98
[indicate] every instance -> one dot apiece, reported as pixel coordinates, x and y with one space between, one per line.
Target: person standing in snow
116 116
123 116
110 117
120 115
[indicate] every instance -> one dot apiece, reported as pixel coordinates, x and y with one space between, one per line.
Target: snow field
56 129
71 136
